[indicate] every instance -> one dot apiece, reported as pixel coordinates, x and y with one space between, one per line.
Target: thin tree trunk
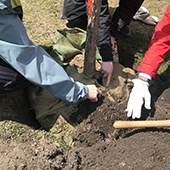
94 8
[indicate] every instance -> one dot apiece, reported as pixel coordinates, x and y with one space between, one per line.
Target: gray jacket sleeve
34 63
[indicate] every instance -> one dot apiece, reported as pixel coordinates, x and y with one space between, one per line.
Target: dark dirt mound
145 148
98 126
142 149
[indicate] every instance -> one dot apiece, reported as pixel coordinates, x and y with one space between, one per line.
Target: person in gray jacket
22 62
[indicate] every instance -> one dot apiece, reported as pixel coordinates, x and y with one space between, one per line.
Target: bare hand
113 43
94 92
106 70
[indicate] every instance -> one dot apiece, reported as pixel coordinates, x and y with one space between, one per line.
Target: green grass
42 19
15 131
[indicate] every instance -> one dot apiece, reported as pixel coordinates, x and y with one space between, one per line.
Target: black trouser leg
80 22
10 79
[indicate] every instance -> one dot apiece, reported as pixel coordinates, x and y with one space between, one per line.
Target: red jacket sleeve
158 48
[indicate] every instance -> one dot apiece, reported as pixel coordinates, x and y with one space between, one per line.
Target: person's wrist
144 79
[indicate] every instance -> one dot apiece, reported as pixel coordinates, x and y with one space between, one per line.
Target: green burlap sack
48 107
69 43
52 113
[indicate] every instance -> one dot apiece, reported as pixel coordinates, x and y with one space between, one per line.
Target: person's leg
80 22
10 80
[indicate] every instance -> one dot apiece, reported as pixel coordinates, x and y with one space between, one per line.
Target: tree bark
94 8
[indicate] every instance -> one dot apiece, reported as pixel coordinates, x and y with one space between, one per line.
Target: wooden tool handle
141 124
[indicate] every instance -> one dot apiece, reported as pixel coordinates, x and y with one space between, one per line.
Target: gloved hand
140 94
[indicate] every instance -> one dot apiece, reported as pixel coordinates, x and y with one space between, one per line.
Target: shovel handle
141 124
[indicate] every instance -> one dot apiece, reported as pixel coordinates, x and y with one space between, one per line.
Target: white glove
139 94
